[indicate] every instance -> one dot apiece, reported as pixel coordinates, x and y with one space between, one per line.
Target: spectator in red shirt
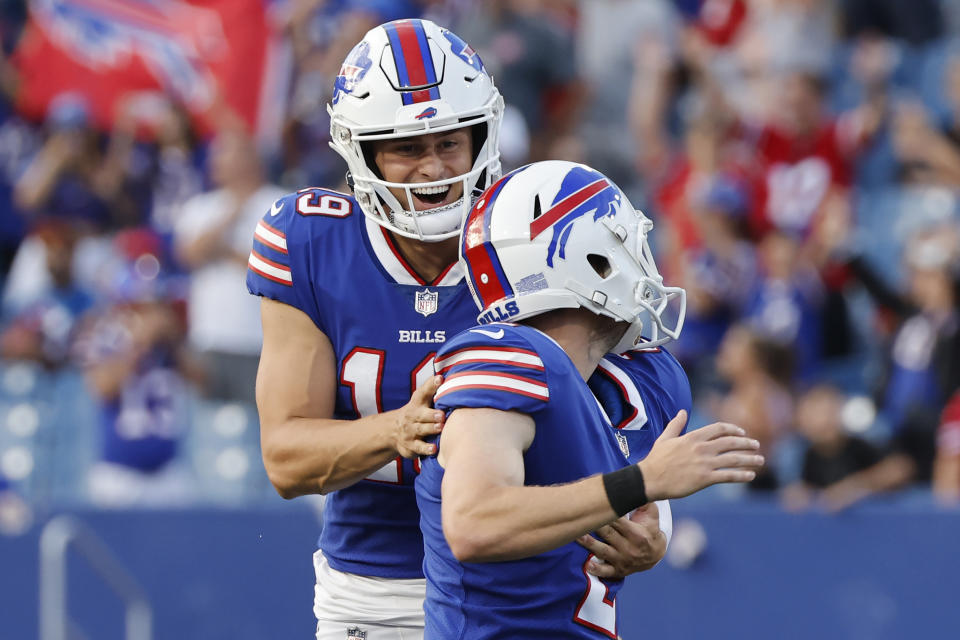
803 185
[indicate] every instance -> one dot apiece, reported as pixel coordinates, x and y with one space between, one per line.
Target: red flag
204 53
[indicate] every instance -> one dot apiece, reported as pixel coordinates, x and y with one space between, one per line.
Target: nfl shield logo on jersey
354 633
426 302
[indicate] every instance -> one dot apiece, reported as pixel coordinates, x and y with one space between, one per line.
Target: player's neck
428 259
575 331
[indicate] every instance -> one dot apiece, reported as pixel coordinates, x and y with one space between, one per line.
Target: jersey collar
397 268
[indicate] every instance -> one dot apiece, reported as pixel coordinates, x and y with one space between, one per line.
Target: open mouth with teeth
431 196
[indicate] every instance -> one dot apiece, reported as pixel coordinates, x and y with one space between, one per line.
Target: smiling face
422 159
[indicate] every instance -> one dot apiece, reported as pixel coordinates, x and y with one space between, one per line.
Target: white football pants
380 608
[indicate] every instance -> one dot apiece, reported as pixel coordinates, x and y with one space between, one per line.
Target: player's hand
680 465
418 420
630 544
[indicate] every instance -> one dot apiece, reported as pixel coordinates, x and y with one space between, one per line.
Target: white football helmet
557 234
408 78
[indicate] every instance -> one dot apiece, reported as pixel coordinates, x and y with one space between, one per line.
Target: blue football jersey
641 391
550 595
316 251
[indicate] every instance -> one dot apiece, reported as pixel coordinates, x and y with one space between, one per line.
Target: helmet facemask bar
655 306
406 220
652 298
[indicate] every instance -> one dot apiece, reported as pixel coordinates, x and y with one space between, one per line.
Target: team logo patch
425 302
532 283
429 112
355 633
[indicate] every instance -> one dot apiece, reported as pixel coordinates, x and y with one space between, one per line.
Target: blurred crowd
800 160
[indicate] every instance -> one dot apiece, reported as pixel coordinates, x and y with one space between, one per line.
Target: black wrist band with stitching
625 489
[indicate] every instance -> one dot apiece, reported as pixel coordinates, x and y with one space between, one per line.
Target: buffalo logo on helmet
354 68
583 190
429 112
463 50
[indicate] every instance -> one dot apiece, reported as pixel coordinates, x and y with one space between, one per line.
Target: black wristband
625 489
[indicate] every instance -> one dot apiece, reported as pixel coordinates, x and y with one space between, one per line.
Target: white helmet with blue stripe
554 235
408 78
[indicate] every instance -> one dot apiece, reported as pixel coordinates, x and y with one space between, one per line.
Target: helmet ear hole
600 264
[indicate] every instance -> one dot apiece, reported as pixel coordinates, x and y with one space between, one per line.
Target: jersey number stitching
313 204
362 371
596 610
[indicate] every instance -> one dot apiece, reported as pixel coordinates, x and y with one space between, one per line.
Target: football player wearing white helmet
528 461
358 293
404 80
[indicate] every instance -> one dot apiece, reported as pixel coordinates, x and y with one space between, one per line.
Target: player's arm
489 515
304 449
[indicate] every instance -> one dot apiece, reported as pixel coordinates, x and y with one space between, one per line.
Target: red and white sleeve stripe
495 381
269 269
271 237
494 355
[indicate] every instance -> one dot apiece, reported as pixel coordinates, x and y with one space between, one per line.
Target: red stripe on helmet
485 279
420 96
565 206
412 56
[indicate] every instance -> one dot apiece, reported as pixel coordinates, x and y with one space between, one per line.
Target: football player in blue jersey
640 390
528 461
358 294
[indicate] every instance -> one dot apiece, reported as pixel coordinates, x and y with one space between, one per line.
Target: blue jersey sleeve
291 254
269 272
491 367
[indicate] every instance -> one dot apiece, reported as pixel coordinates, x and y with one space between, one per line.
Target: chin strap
442 208
422 223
